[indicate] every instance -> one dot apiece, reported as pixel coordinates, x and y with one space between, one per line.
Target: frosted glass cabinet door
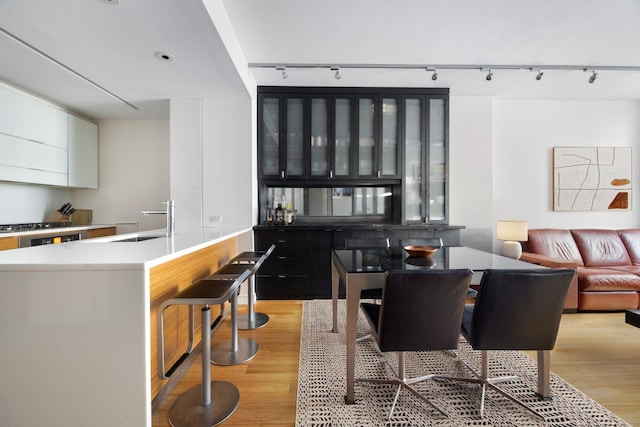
366 139
389 150
437 160
413 160
270 136
295 137
342 161
319 137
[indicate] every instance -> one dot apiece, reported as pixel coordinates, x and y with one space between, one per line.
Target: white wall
20 203
133 174
501 161
186 161
229 172
525 133
471 169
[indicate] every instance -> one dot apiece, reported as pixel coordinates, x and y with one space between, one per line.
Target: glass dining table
364 269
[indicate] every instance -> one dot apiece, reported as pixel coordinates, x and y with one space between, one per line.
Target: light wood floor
596 352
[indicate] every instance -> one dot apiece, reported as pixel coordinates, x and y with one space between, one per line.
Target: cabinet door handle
330 174
282 241
282 276
282 174
379 174
282 257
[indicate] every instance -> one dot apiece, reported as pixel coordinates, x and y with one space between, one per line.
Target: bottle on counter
288 215
269 215
279 214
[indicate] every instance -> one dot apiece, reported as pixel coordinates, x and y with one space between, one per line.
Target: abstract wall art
591 178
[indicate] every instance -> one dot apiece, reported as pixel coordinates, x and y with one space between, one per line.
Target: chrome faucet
170 213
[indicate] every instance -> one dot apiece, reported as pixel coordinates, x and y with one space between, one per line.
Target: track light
434 76
337 74
489 76
283 71
539 76
593 77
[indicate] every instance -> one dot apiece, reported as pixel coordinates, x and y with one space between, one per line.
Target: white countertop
106 253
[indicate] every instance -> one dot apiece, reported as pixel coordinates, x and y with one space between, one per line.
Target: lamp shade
512 230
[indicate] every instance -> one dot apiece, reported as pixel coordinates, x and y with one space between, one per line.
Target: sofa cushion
601 248
554 243
607 301
631 240
606 279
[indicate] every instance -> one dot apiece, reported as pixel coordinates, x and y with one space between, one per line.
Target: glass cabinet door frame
351 132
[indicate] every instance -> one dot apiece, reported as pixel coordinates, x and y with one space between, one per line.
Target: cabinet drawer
288 287
284 265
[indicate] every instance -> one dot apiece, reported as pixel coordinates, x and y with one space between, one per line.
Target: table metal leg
544 376
353 300
335 283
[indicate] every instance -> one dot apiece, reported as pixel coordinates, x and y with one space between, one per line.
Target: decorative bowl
420 251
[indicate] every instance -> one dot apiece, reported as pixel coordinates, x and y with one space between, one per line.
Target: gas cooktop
12 228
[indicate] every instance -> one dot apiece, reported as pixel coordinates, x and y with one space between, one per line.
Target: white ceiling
114 46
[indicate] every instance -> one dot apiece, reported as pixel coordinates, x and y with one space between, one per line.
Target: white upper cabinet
43 144
83 153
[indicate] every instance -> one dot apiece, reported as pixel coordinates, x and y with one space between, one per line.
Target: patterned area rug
322 385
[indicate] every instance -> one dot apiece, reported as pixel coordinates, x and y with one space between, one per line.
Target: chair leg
484 379
403 382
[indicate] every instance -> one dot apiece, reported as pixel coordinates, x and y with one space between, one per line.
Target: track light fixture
283 72
432 68
489 76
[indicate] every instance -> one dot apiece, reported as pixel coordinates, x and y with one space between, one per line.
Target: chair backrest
518 309
368 243
434 242
421 310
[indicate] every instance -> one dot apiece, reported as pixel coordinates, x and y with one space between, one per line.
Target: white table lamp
512 232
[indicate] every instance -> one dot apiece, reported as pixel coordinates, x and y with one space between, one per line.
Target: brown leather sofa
607 262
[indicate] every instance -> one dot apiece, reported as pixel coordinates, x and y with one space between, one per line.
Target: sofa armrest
571 303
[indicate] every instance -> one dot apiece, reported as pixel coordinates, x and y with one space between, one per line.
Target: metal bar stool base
222 354
188 410
260 319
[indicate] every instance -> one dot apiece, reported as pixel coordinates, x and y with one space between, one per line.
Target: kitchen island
77 323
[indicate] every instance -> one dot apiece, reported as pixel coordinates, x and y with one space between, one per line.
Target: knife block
56 216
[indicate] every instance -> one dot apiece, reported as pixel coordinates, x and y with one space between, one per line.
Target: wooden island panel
166 280
8 243
100 232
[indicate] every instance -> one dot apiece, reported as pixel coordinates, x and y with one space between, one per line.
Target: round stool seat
229 272
247 257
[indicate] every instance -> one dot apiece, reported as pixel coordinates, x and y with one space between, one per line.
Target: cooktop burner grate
11 228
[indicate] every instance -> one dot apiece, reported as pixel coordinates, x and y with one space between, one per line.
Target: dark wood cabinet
300 266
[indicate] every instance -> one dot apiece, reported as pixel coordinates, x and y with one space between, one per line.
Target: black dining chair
515 310
421 310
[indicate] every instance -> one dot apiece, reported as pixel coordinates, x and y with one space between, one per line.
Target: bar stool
211 402
237 350
252 319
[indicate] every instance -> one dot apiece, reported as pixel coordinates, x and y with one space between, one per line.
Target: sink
137 239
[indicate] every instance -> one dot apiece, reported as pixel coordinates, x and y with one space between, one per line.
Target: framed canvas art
591 178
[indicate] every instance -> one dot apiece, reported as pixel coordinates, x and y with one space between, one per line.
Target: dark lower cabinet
300 266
